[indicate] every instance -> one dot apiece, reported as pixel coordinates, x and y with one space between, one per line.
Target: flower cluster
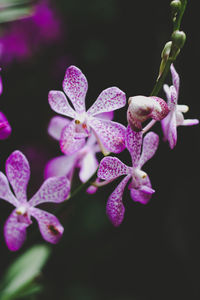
82 133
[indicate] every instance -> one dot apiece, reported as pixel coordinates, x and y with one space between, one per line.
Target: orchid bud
178 38
175 6
142 108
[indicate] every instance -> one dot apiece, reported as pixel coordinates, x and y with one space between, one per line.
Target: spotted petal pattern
70 141
54 189
142 195
14 232
134 144
50 228
111 168
111 134
59 104
18 174
175 78
75 86
150 145
115 208
110 99
5 192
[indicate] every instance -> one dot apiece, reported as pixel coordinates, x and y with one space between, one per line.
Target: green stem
160 81
177 22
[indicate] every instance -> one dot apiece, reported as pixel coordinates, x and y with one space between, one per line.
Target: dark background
154 254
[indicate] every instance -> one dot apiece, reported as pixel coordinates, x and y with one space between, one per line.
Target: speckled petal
54 189
150 145
50 228
59 103
142 195
75 86
110 134
5 128
18 174
111 168
5 192
109 100
171 130
56 126
115 208
134 144
171 94
60 166
88 166
14 232
69 144
175 78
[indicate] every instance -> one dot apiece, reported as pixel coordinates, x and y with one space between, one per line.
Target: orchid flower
175 117
141 108
54 189
110 135
84 158
140 187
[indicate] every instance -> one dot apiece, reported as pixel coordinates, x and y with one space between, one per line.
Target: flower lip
137 177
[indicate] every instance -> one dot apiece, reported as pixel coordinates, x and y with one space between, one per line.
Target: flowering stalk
174 50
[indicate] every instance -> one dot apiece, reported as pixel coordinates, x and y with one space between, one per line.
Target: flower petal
56 126
54 189
142 195
115 208
68 142
111 168
150 145
5 192
169 129
190 122
88 165
60 166
172 132
75 86
175 78
110 134
59 103
5 128
14 232
18 174
133 144
109 100
50 228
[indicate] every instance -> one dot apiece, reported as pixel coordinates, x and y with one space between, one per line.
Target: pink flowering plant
90 141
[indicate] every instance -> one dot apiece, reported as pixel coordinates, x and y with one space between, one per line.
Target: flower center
138 177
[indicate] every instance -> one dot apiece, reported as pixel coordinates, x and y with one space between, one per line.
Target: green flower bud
175 6
166 50
178 39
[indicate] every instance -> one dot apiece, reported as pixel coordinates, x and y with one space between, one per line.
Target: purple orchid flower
110 135
85 158
5 128
175 117
140 187
54 189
